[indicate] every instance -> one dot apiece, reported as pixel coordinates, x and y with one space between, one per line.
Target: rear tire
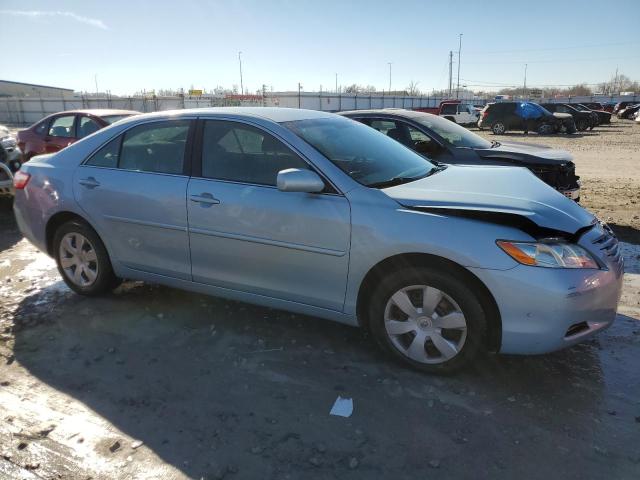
82 259
447 325
498 128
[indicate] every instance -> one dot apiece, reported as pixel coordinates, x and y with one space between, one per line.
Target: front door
133 190
61 133
247 235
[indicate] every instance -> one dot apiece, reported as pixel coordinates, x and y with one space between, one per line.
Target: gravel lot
151 382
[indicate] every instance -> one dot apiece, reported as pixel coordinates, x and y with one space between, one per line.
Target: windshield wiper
392 182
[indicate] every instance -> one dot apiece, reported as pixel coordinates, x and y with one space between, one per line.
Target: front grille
608 245
561 178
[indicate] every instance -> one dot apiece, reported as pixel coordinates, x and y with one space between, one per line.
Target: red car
60 130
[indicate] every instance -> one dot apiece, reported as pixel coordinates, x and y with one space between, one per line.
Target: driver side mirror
296 180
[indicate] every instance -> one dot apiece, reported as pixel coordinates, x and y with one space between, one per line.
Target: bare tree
412 89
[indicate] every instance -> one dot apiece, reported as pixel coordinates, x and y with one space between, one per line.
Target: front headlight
549 253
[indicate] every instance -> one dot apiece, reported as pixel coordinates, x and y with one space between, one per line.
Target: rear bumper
545 309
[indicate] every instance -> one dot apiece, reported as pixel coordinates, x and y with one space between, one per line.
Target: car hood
503 190
538 154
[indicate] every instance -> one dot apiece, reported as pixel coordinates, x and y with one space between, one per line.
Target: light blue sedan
318 214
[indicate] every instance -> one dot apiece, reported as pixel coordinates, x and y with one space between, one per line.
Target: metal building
19 89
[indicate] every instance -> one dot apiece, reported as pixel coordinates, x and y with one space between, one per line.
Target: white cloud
93 22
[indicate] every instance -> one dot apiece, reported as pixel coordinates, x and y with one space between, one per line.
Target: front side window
368 157
238 152
87 126
62 126
155 147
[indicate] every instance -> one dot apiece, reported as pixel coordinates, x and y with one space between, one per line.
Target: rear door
133 190
61 133
249 236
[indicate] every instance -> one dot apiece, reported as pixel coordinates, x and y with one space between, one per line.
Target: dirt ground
150 382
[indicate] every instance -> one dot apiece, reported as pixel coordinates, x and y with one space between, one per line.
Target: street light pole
524 89
336 83
240 62
299 95
459 51
389 77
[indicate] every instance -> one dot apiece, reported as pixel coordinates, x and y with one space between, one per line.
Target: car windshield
110 119
453 133
369 157
542 109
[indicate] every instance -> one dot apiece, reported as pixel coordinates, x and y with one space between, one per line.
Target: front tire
428 319
82 259
582 125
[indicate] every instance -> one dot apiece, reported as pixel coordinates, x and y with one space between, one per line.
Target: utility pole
336 83
299 95
389 77
95 79
615 82
240 62
459 60
450 71
264 95
524 87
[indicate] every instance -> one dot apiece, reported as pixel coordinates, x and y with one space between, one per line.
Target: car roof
100 112
275 114
398 112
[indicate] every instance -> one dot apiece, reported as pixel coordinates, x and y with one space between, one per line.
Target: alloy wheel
78 259
425 324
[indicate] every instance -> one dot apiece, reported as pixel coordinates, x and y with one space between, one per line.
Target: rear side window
448 108
107 156
241 153
62 126
41 128
155 147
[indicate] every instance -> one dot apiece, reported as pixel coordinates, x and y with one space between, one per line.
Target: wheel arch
411 260
58 219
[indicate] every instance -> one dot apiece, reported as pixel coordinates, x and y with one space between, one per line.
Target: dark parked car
525 116
446 142
628 111
60 130
599 114
620 105
582 118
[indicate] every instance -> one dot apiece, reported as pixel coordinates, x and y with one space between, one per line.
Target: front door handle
205 198
89 182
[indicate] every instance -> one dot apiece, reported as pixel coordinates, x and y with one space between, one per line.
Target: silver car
318 214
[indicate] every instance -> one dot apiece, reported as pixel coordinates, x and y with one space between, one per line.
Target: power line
564 60
557 48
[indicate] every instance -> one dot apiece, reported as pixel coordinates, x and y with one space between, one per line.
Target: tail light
485 113
20 180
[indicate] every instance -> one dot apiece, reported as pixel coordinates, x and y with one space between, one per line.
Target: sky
128 46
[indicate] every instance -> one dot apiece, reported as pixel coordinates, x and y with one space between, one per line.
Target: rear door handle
205 198
89 182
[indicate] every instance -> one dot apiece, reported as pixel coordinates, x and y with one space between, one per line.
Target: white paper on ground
343 407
